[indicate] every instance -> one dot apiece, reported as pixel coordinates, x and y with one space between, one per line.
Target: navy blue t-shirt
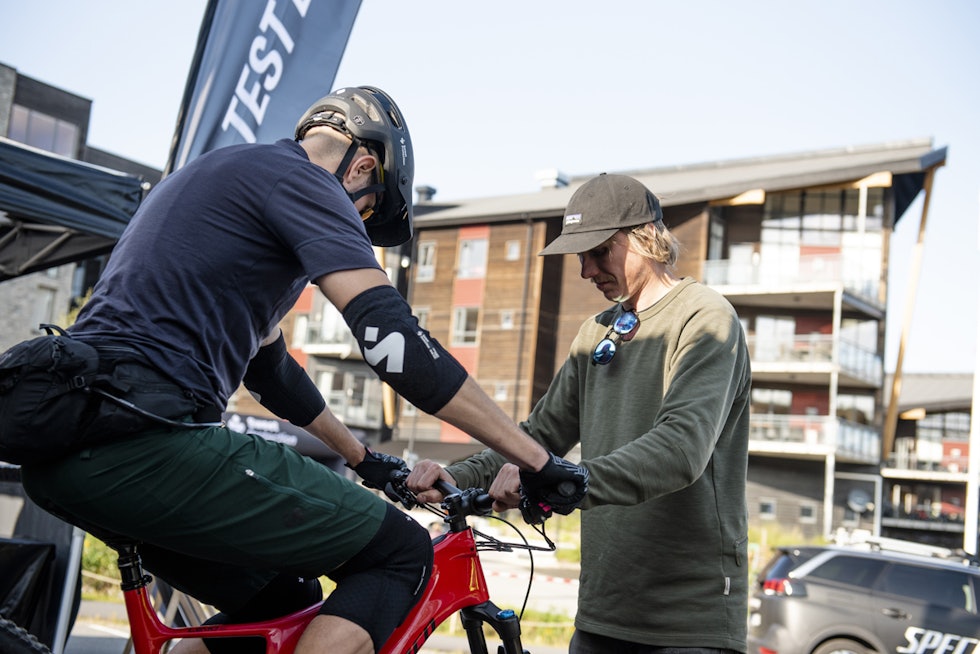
216 256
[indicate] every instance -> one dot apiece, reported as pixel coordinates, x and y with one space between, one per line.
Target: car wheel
842 646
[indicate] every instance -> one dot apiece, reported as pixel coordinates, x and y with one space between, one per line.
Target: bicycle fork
504 621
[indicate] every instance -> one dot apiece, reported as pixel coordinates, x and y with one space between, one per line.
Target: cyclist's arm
328 428
465 406
325 425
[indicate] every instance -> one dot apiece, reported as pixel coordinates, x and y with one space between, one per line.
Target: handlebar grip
445 487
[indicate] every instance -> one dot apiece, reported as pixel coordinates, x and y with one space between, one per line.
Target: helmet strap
345 162
373 188
342 170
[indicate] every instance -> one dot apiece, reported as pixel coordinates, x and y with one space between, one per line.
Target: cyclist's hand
376 468
559 486
423 478
506 488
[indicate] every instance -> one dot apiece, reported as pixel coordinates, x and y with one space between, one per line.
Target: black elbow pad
401 353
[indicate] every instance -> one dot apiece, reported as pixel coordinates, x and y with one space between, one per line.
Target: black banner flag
257 67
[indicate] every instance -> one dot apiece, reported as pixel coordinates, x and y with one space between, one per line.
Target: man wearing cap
656 390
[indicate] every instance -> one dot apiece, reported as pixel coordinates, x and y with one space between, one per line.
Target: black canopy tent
55 210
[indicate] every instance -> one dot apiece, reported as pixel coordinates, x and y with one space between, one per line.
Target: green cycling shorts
220 513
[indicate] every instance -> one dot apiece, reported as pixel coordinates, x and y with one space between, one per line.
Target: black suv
879 596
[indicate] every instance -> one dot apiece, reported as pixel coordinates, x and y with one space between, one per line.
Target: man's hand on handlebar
505 489
559 486
376 468
422 481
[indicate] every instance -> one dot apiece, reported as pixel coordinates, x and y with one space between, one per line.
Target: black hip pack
58 395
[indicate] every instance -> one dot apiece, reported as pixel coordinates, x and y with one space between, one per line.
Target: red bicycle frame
457 584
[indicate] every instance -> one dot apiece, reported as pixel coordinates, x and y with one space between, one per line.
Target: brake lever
534 514
400 495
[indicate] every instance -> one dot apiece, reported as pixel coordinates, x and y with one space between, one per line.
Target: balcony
810 360
928 516
911 467
315 340
813 437
808 282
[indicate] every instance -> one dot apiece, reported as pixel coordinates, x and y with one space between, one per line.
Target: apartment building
924 477
799 244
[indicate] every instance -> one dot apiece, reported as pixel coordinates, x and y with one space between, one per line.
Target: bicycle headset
371 118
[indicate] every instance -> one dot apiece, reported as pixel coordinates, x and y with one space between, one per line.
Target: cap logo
573 219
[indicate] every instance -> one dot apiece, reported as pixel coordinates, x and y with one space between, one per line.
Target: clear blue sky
494 92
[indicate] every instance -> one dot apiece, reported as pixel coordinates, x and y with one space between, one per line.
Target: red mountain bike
457 584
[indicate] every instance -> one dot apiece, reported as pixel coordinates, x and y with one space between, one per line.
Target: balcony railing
953 465
338 343
817 350
814 435
805 271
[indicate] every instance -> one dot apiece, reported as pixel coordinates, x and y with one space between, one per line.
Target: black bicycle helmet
372 119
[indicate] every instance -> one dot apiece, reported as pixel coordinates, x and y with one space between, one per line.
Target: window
771 401
513 250
767 509
828 232
354 398
425 270
43 131
465 320
301 329
856 408
808 514
472 258
716 237
937 427
500 392
332 328
851 570
774 338
947 588
507 319
422 315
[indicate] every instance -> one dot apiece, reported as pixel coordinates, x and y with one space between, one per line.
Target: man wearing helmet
189 306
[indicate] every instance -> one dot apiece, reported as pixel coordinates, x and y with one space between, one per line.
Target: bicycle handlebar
462 503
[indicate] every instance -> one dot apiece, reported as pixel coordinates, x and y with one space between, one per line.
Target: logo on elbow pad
391 347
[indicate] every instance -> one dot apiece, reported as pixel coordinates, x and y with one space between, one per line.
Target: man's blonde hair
654 241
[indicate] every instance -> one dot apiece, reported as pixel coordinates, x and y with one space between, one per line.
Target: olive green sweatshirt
664 433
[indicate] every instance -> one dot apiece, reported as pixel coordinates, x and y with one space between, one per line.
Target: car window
851 570
781 564
947 588
778 567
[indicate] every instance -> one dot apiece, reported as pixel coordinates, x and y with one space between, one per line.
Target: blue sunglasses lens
626 323
604 351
